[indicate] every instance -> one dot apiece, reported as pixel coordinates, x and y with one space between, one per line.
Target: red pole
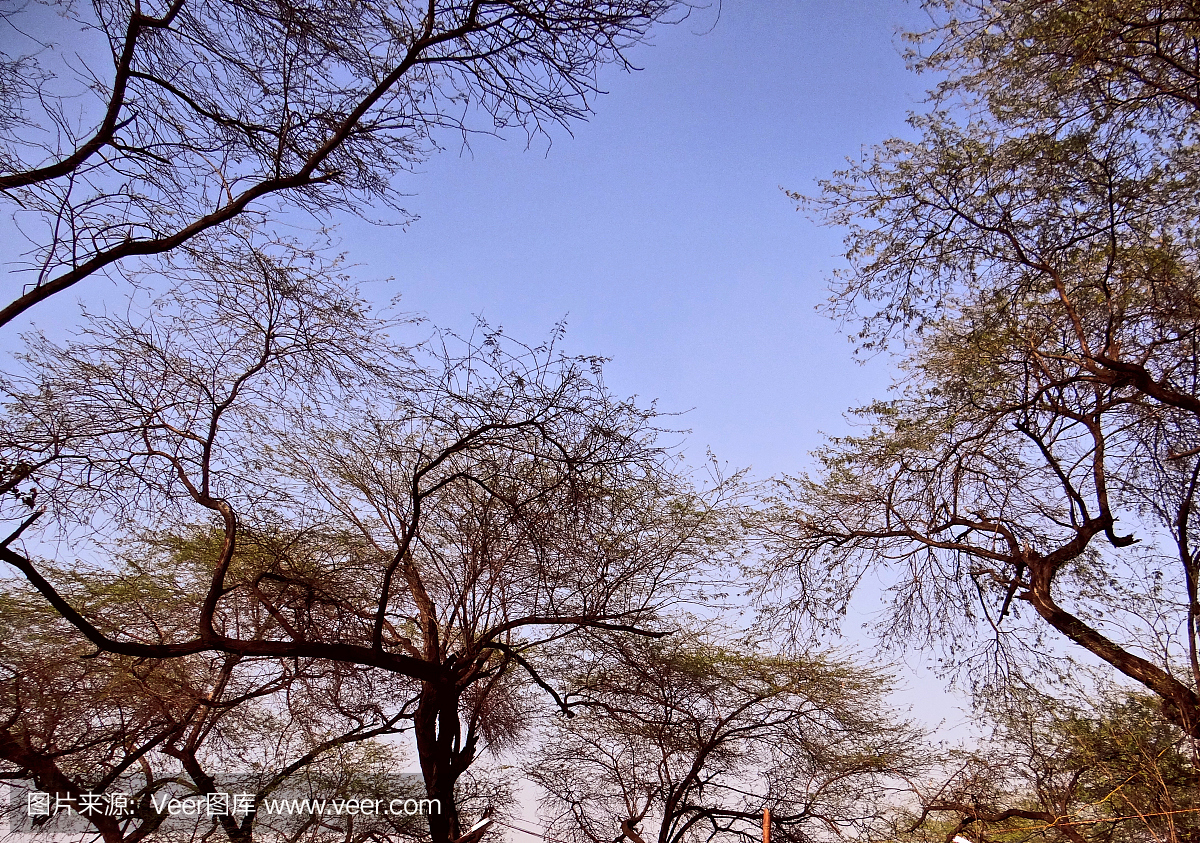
766 825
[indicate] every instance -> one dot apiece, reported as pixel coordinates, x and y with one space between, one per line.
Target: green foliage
77 720
1104 767
689 738
1030 488
1035 251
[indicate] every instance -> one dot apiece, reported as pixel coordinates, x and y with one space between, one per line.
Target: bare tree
212 109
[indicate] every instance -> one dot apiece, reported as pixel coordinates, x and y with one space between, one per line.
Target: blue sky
660 230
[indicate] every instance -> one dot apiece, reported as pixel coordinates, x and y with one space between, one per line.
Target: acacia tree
1042 452
506 500
1031 61
1103 767
207 111
997 482
78 724
457 520
688 739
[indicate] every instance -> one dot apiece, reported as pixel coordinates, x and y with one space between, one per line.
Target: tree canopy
1029 489
689 738
130 129
456 515
278 532
1043 450
1102 766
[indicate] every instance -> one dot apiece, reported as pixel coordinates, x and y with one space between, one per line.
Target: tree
1040 264
989 486
1102 767
452 518
214 110
1030 61
78 723
458 519
688 739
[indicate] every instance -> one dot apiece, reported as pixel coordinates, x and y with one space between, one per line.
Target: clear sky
660 230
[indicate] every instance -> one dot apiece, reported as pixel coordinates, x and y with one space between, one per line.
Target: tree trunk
1179 702
442 757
